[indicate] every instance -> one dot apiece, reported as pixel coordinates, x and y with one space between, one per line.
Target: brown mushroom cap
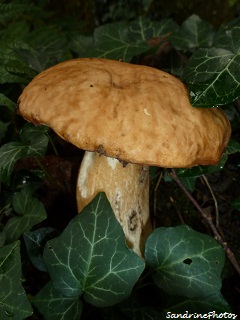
130 112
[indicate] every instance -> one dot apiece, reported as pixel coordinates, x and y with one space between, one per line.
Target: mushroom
127 117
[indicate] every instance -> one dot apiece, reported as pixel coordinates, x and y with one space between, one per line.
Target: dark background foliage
35 35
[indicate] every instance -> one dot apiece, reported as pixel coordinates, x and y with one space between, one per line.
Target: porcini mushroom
127 117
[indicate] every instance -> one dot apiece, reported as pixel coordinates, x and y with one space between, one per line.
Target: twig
177 210
208 219
214 199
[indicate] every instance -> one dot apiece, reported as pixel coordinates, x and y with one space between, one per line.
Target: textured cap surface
133 113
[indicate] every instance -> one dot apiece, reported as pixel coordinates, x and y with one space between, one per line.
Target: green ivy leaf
9 154
227 38
233 146
80 44
113 41
124 40
212 302
5 101
48 43
135 311
198 171
146 29
13 301
33 144
185 262
30 212
53 305
35 139
194 33
212 74
91 258
35 242
189 182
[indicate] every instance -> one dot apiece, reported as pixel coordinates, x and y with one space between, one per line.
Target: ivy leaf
198 171
233 146
30 212
48 43
212 74
185 262
227 38
189 182
53 305
146 29
135 311
29 55
35 242
9 154
124 40
194 33
212 302
5 101
91 258
35 139
113 41
13 300
33 144
80 44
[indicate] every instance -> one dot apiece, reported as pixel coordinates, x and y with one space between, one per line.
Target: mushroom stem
127 189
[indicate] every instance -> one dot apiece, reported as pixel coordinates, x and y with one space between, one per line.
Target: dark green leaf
33 144
50 47
29 55
35 139
13 300
146 29
16 30
9 154
55 306
80 44
5 101
227 39
113 41
200 170
91 257
123 41
233 146
13 68
135 311
9 11
212 74
194 33
185 262
30 212
35 242
7 77
189 182
212 302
